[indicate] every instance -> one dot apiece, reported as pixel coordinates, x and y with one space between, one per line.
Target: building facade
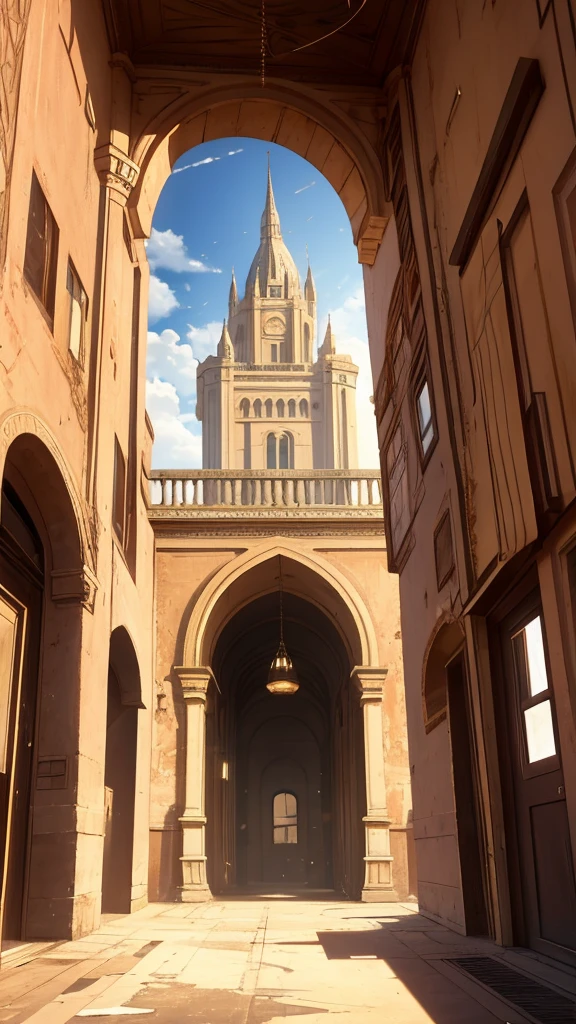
264 400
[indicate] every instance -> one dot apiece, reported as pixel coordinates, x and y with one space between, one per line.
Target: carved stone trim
74 586
371 234
116 170
194 682
369 683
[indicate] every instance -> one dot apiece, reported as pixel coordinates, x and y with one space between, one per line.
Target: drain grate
540 1002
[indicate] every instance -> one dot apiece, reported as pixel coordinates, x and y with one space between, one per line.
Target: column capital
369 682
116 170
194 681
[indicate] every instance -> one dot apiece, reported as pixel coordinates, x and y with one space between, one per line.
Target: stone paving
259 960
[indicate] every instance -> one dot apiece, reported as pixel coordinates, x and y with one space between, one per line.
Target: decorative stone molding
74 586
195 682
378 884
117 171
369 239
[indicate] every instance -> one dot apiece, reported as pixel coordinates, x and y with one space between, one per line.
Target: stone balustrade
266 489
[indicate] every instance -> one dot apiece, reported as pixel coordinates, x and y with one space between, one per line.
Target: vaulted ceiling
353 42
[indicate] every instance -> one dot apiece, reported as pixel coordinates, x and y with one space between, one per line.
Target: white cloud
349 327
161 299
169 359
204 339
166 249
175 447
206 160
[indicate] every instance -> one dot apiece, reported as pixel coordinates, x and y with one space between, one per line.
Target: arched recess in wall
29 452
318 131
124 699
46 591
317 581
446 640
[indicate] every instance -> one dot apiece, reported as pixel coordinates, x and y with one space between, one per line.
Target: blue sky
207 221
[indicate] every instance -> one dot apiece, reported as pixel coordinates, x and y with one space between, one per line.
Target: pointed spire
233 295
309 286
225 348
328 347
270 222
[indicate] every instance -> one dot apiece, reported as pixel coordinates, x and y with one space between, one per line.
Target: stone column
194 690
378 886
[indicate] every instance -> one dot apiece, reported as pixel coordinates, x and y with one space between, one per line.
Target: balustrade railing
285 488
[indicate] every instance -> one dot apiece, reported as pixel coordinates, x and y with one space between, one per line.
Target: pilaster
378 884
195 683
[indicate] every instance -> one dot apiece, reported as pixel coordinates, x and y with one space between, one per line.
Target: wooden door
541 866
20 609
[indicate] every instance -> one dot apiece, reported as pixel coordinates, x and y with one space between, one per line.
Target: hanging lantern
282 676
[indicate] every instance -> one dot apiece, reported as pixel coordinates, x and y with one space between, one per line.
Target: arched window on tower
303 407
245 408
258 408
291 408
269 407
279 451
280 408
306 343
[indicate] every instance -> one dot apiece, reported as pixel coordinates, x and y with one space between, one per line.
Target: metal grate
540 1002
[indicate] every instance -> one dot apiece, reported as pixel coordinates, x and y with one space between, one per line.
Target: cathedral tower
264 400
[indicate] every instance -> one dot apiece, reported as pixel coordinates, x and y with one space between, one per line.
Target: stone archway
228 710
319 130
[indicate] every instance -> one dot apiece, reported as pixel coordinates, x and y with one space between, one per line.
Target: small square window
425 422
78 308
275 291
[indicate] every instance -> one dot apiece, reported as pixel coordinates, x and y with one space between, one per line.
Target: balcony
258 493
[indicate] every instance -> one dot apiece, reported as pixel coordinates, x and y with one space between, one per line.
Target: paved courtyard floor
259 960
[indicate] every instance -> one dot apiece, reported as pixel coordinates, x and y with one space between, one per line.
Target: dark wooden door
540 857
284 824
20 613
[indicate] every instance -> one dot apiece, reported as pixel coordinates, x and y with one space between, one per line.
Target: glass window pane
283 452
75 339
271 452
537 677
285 814
427 437
539 731
290 805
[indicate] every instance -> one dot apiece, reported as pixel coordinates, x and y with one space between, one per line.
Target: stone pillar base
378 886
195 888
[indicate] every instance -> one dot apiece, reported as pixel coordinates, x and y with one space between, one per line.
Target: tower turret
225 348
328 346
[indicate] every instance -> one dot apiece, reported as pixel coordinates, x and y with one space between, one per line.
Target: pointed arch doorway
273 806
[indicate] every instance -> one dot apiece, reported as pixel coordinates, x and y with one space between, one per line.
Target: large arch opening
308 747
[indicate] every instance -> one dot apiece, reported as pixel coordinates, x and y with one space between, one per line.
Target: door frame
519 601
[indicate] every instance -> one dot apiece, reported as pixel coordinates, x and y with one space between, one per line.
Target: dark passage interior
285 773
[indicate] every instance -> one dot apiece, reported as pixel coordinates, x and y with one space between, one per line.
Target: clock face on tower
274 325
